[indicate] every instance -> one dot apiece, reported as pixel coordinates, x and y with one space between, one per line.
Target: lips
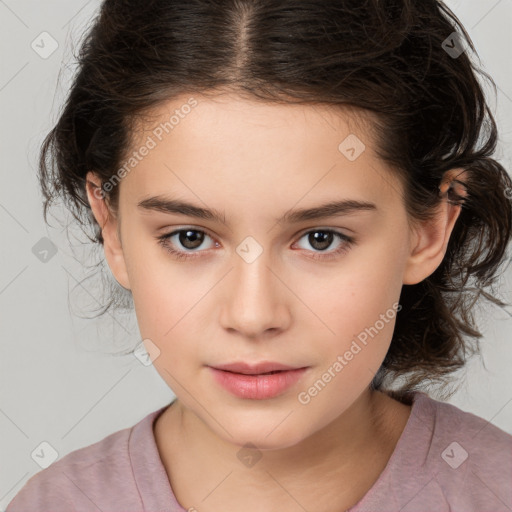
255 369
258 381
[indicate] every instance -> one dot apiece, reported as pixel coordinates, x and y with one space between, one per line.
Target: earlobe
109 226
430 239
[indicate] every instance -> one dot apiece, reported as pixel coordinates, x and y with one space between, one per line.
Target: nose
256 299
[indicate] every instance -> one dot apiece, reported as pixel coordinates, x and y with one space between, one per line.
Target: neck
353 450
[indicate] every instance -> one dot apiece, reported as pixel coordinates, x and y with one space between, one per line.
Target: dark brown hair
390 58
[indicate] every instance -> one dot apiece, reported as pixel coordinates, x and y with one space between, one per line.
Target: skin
254 161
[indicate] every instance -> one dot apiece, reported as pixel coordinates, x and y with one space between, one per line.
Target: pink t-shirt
445 460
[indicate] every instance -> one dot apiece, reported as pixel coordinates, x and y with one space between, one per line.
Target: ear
430 238
109 225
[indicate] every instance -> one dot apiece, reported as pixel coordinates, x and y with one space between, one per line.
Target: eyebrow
331 209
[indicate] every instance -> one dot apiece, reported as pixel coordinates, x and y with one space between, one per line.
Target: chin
267 435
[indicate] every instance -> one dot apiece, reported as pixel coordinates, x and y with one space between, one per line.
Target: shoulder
483 441
468 460
89 478
446 459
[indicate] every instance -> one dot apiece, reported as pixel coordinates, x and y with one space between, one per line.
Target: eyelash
163 240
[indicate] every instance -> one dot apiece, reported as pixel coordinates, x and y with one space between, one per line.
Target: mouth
256 382
262 368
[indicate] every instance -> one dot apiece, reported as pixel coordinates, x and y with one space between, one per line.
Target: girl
298 196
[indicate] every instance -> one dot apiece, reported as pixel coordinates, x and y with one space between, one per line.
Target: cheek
167 299
360 310
162 292
167 304
356 294
358 307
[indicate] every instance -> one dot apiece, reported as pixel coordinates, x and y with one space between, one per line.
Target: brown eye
190 239
183 243
320 240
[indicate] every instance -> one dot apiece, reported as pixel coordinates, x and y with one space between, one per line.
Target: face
263 283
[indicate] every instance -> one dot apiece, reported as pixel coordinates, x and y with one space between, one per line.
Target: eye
320 239
191 239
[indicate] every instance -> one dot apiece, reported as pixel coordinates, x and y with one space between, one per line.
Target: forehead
229 111
244 148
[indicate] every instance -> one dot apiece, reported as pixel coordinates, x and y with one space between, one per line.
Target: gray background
58 382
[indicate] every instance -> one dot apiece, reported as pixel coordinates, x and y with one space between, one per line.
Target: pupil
324 239
187 235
